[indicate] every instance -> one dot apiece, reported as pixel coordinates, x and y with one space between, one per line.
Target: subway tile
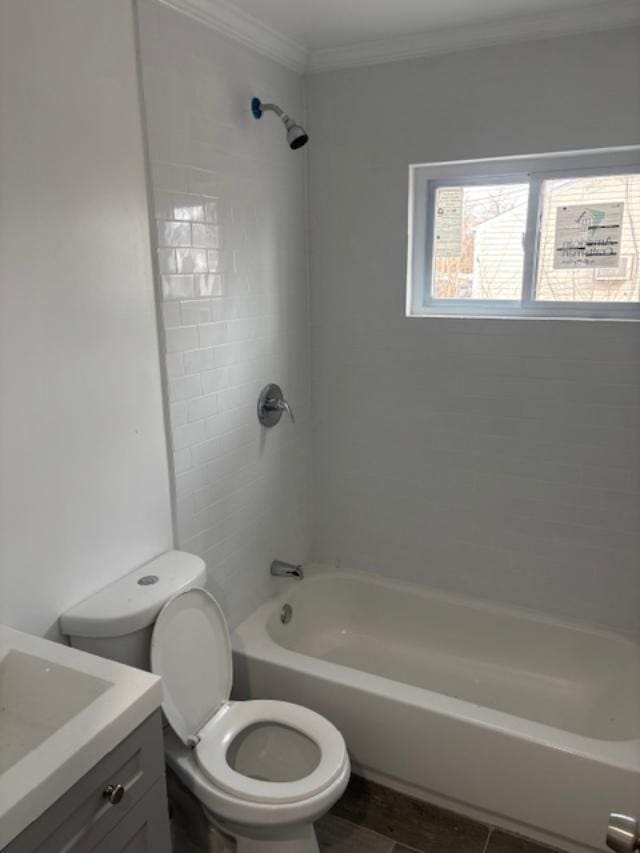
218 261
181 461
192 480
209 285
178 413
216 380
211 210
187 209
171 314
163 205
184 388
212 334
199 360
191 525
173 233
195 311
175 366
191 261
203 407
167 264
188 435
168 176
178 286
204 182
181 338
205 235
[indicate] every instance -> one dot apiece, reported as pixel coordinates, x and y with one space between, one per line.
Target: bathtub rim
252 639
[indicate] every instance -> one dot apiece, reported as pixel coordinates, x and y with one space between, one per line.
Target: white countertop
119 699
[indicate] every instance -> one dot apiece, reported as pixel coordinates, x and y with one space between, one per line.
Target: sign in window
554 235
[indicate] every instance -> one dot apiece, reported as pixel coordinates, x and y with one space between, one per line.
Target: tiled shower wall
495 458
230 214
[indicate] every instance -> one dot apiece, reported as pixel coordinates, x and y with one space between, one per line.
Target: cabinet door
145 829
82 816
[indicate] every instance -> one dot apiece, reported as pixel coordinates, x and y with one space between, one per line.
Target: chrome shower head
296 135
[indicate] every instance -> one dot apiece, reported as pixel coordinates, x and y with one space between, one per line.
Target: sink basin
61 711
37 697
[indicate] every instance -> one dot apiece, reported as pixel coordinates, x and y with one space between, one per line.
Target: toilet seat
191 650
218 735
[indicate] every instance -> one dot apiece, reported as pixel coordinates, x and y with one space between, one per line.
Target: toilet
262 770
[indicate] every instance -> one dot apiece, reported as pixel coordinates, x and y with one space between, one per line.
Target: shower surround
229 206
496 458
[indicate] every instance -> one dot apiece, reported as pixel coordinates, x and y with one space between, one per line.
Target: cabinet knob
113 793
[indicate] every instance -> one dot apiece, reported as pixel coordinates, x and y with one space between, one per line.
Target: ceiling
322 24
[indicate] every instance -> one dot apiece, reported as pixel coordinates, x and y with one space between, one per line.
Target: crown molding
227 18
605 16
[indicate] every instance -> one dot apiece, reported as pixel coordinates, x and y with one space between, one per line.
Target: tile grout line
391 841
486 844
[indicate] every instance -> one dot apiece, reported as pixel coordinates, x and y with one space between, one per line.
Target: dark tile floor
373 819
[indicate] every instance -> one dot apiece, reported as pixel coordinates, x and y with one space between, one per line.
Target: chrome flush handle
623 833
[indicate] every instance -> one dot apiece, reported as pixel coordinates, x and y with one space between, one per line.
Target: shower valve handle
280 405
271 405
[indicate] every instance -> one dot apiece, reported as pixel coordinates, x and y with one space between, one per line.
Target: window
555 235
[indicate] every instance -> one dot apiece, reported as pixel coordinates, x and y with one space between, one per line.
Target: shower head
296 135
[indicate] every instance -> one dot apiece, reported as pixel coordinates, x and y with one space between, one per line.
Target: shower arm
274 108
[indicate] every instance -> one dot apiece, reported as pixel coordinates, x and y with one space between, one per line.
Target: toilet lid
191 651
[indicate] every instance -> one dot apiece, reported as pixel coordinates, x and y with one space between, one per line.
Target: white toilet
262 771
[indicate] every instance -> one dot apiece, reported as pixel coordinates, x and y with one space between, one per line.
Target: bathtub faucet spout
286 570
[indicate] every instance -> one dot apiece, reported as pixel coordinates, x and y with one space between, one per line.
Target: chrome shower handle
282 406
271 405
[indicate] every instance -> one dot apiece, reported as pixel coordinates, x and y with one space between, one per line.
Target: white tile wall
496 458
229 202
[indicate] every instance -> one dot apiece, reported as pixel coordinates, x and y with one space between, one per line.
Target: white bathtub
506 715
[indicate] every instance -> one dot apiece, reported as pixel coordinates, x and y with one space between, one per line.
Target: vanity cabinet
119 805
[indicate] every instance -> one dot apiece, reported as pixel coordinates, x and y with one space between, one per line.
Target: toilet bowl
262 770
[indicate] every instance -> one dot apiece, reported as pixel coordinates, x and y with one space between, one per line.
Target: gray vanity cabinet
119 806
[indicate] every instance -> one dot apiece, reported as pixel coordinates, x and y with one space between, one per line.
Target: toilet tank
117 621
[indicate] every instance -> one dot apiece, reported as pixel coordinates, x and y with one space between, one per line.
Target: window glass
589 240
478 237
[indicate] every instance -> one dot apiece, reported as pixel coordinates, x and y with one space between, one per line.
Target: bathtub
502 714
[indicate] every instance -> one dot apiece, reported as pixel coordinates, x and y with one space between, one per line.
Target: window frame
425 179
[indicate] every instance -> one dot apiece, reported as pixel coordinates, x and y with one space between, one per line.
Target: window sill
487 315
